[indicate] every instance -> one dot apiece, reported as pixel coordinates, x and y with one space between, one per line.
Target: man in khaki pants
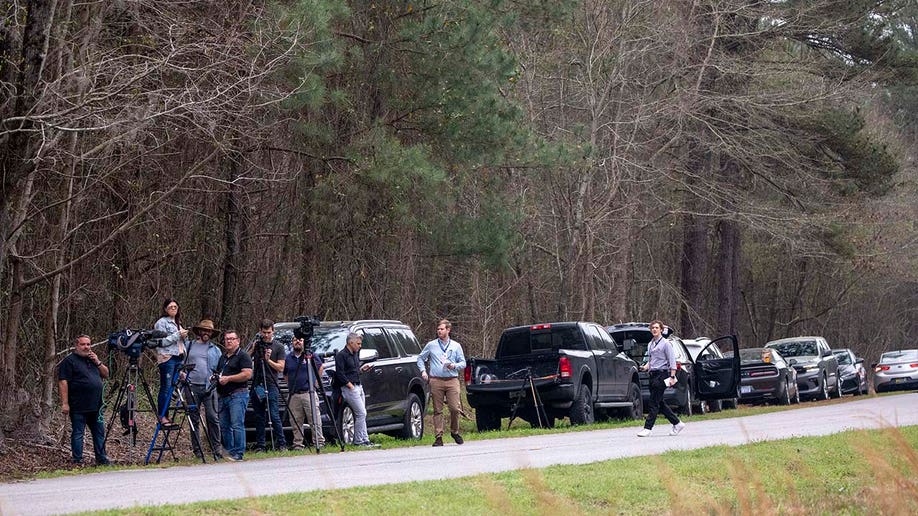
444 358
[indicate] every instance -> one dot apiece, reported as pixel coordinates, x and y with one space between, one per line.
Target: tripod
312 375
184 403
127 392
259 358
521 394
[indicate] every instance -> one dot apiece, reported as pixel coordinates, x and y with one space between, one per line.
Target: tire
636 410
582 408
732 403
716 405
866 390
837 393
486 419
686 409
823 393
413 419
346 424
786 399
796 399
704 407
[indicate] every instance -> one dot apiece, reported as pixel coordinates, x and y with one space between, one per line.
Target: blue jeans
166 374
232 422
260 419
78 423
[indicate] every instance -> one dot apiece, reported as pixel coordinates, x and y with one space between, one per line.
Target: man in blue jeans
80 378
235 369
347 382
268 359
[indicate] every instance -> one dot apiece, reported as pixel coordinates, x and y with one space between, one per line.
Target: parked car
851 371
896 370
719 380
766 376
396 396
817 367
544 372
695 348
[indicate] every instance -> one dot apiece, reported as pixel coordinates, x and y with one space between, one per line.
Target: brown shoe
438 441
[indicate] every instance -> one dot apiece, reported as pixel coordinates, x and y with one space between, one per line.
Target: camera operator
170 355
268 357
205 356
80 378
347 382
235 369
304 406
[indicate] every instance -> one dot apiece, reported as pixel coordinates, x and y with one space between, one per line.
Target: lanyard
442 347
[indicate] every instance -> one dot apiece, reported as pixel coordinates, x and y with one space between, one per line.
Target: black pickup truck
545 372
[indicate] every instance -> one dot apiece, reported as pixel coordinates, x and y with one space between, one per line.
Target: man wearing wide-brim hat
205 356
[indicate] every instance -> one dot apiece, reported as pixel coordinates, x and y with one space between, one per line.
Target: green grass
857 472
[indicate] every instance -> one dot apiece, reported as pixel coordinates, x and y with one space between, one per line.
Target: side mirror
792 361
369 355
859 361
628 344
827 352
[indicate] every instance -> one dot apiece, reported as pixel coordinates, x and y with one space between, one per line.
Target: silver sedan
896 370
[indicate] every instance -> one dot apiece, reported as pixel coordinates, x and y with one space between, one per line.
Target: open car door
718 378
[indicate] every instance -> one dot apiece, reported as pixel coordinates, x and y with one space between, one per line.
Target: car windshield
844 358
324 340
900 356
754 356
796 348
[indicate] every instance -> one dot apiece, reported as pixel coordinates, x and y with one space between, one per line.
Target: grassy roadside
519 428
856 472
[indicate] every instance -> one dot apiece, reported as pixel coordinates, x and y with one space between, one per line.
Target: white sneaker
677 428
644 433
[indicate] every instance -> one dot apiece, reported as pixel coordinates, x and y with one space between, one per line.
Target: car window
404 340
328 340
595 335
374 338
844 358
899 356
797 348
522 341
640 337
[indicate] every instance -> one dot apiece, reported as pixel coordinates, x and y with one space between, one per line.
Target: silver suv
816 365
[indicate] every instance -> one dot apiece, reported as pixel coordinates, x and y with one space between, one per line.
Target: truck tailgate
512 373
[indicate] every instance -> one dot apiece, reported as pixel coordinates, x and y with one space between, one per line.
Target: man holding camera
235 369
80 378
268 358
204 355
304 402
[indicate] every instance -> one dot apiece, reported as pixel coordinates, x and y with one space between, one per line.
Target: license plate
745 389
900 380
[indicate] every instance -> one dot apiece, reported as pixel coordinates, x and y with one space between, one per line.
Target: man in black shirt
347 379
80 382
235 369
268 359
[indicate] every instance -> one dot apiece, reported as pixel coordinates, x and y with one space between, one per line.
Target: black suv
396 396
699 382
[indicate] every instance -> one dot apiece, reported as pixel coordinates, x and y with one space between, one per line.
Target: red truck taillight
468 375
564 367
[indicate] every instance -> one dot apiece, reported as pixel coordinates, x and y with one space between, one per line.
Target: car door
718 378
602 357
622 367
406 366
377 381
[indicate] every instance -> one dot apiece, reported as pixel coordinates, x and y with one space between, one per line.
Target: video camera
132 342
306 328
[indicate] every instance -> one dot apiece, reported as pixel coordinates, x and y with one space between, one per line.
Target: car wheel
716 405
796 393
786 399
823 393
866 389
686 408
837 393
636 410
486 419
732 403
582 408
703 407
346 424
413 419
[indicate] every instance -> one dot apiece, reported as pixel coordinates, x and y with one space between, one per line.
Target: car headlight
810 367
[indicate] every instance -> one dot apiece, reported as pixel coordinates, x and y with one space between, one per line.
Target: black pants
657 388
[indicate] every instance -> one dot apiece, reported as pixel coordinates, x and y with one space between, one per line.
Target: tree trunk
232 237
728 292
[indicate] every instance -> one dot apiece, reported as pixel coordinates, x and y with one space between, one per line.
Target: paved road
155 486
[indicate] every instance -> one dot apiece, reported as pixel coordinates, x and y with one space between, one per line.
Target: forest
730 167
